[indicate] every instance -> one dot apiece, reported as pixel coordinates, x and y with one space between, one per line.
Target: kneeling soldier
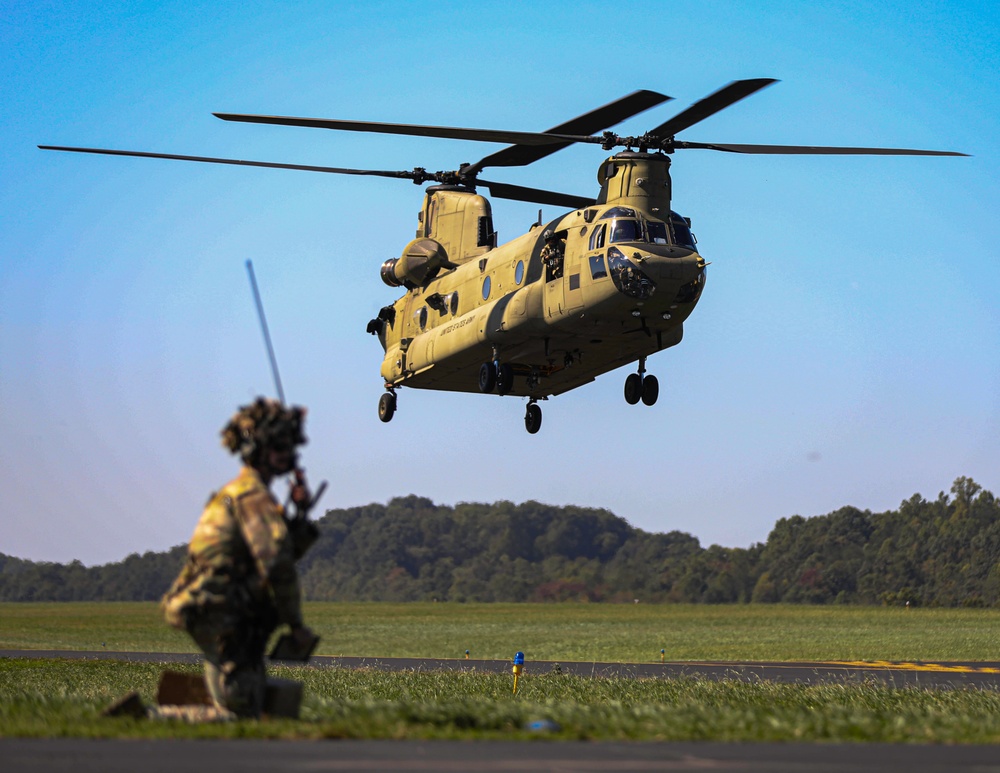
239 582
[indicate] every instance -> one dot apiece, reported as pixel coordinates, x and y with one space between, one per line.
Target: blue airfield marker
518 666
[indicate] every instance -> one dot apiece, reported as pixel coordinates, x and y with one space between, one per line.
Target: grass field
606 632
49 698
54 698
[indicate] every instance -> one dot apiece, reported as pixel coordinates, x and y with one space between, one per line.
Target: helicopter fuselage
594 289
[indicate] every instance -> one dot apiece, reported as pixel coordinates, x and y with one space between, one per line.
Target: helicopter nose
670 268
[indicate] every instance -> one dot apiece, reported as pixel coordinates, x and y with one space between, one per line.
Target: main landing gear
499 376
496 375
532 417
639 386
387 405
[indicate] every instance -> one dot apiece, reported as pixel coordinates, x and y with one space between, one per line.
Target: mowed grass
60 698
51 698
561 632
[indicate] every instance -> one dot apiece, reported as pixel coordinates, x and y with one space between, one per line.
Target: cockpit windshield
626 231
657 232
627 225
619 212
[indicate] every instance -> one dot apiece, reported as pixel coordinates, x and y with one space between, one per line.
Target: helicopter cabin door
554 266
554 297
563 295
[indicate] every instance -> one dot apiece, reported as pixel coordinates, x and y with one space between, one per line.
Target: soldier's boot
282 698
238 689
130 705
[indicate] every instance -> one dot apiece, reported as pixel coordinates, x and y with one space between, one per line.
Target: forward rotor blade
234 162
414 130
535 195
586 124
710 105
817 150
500 190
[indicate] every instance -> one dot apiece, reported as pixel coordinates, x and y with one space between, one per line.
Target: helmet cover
265 423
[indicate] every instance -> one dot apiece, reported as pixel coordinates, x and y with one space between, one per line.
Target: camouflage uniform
238 584
552 257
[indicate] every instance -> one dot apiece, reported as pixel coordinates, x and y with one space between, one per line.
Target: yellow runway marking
912 666
887 665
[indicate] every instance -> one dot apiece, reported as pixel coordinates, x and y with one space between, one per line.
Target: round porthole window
486 288
422 317
519 272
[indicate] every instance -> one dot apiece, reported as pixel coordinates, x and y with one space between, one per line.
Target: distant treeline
942 552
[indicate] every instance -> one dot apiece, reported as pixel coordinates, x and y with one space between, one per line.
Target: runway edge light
518 667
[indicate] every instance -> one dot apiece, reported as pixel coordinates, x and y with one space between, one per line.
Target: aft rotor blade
535 195
817 150
710 105
589 123
414 130
233 162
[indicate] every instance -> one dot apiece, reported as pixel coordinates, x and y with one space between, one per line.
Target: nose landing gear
639 386
650 390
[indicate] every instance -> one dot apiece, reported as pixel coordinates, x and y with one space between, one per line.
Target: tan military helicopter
606 284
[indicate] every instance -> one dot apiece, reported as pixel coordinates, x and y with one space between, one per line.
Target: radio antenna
267 335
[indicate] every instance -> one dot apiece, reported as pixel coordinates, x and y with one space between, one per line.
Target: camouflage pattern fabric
234 661
238 584
194 714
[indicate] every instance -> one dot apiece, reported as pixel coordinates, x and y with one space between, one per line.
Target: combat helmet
265 423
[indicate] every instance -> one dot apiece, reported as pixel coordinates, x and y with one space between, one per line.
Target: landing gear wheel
386 406
633 388
533 418
505 378
650 390
487 377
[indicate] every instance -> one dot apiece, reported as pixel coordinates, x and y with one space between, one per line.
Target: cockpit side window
681 231
597 237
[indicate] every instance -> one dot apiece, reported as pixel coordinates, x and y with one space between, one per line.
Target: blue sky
846 350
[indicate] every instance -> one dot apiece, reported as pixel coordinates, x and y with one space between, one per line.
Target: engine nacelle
421 261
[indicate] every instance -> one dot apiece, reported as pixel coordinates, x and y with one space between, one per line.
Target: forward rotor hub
643 143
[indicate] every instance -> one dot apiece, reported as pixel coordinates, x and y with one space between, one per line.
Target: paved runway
939 675
93 756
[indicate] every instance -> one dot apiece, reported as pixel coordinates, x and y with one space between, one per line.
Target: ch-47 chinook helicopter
609 283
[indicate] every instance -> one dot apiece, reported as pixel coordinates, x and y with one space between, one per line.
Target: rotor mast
640 180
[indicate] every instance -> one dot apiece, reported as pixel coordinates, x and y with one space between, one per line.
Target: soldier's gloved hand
300 494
